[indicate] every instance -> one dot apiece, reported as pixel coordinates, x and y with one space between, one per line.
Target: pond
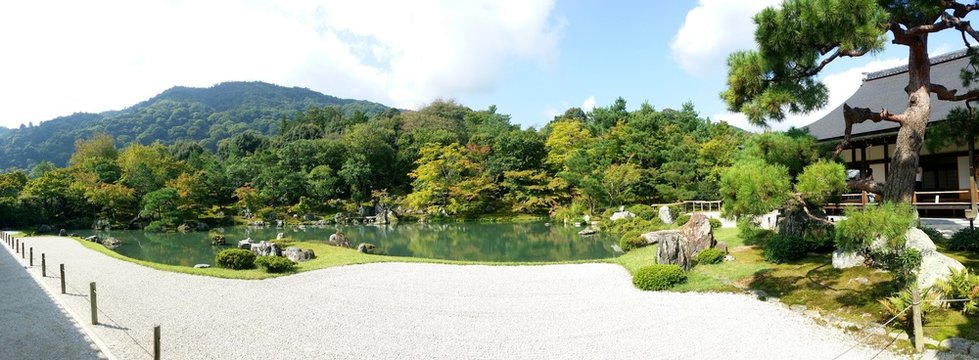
458 241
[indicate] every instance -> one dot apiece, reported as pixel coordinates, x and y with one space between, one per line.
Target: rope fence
19 246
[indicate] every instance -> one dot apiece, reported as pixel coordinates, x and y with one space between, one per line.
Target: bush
573 213
710 256
781 248
862 227
714 223
644 212
658 277
935 236
965 239
632 240
235 259
682 219
749 231
961 284
275 264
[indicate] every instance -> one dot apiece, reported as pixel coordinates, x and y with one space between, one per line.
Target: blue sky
531 58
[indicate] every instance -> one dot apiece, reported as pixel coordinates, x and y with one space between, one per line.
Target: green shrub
275 264
961 284
658 276
935 236
632 240
573 213
710 256
644 212
862 227
714 223
634 224
781 248
235 259
896 306
822 181
965 239
682 219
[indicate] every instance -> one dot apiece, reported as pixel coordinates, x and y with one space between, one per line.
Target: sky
533 59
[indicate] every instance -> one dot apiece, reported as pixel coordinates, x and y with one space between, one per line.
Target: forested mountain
203 115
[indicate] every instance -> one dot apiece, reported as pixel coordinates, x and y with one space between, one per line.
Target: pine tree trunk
899 186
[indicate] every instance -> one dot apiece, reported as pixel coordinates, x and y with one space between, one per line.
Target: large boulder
664 215
698 233
671 251
656 237
934 265
622 215
296 254
245 244
844 260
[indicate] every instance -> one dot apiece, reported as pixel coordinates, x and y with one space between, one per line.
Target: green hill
205 115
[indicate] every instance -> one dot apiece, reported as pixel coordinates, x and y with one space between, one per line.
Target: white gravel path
409 311
32 324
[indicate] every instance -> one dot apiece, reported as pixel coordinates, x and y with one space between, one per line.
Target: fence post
44 266
23 254
94 301
32 257
62 278
156 342
919 341
17 246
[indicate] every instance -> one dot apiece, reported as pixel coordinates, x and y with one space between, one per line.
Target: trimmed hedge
682 219
632 240
235 259
275 264
781 248
935 236
966 239
710 256
714 223
658 277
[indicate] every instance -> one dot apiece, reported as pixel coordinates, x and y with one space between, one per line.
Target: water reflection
467 241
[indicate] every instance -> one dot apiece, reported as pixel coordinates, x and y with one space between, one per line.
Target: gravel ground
32 325
395 310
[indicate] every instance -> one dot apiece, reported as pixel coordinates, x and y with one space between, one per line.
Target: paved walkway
32 325
410 311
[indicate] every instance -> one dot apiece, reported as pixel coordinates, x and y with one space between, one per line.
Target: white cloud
588 104
712 30
85 56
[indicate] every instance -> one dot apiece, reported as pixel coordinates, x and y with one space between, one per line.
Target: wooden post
919 336
93 299
44 266
17 246
62 278
32 257
23 254
156 342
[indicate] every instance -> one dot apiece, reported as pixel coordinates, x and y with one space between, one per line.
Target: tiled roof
885 89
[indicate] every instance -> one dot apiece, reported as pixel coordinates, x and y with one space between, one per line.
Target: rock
957 345
587 231
280 236
655 237
245 244
202 266
622 215
278 223
698 234
728 258
936 266
62 232
844 260
672 251
860 280
275 249
664 215
218 240
93 238
722 246
917 239
338 239
44 229
367 248
111 242
798 308
296 254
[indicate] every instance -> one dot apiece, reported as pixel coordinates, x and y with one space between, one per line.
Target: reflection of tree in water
468 241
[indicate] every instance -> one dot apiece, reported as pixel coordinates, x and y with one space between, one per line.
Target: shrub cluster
632 240
965 239
935 236
714 223
658 277
781 248
235 259
710 256
275 264
644 212
752 233
682 219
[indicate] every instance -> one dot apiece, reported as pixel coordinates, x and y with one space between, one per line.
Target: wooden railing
951 199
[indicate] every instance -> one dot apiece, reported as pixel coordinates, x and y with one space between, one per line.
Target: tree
618 182
162 206
446 180
532 191
799 38
98 146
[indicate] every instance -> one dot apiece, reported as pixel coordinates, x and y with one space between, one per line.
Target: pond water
462 241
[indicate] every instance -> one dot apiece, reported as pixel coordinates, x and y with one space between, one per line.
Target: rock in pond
94 238
587 231
367 248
